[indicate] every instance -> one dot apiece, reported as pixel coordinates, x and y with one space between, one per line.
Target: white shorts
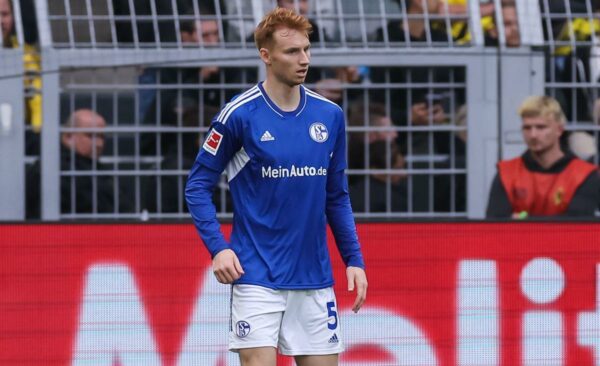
297 322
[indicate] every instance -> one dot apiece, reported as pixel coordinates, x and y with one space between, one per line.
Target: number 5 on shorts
332 313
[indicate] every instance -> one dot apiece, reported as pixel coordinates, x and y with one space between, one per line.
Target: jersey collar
277 110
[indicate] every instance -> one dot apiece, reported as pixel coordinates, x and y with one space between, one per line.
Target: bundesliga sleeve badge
212 142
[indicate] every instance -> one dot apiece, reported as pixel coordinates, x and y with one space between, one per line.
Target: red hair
276 18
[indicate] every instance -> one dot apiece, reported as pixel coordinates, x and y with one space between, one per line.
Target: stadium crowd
379 141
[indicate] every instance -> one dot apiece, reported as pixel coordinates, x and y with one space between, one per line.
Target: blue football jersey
286 176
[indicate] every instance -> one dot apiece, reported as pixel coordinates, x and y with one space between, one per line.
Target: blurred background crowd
117 96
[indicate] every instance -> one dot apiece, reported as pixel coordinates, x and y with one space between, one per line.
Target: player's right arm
221 143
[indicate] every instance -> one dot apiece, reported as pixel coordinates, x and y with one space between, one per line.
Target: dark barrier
440 294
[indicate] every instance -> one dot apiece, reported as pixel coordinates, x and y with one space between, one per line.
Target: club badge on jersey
318 132
212 142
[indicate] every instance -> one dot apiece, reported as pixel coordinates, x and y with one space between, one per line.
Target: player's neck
549 157
284 96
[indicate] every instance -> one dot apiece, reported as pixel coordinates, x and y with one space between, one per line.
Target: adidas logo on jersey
334 339
267 136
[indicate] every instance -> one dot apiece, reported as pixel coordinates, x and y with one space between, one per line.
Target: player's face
541 134
289 56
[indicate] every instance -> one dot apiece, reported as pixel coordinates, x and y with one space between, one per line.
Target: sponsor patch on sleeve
212 142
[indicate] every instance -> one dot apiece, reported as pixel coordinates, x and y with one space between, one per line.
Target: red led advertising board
439 294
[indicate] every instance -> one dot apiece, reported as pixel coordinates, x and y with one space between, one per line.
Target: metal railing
139 69
572 49
12 119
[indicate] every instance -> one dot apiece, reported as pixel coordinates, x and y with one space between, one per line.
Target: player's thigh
310 324
256 314
259 356
317 360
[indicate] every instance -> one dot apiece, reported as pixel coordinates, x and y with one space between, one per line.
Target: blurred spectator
382 130
196 32
423 110
414 27
570 60
7 23
202 33
450 189
80 152
420 104
331 82
510 21
545 180
178 106
193 33
460 28
487 9
32 67
382 155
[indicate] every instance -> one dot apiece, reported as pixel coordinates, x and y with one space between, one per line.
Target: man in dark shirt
545 180
88 190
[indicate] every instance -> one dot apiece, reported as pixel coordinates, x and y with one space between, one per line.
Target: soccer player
283 148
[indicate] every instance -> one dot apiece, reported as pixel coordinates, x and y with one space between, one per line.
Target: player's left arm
341 220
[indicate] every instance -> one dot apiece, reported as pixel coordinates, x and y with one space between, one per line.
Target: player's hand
357 278
227 267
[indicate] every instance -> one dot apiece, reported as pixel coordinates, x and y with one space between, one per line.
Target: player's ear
265 55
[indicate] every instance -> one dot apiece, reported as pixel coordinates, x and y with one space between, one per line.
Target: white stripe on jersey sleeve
318 96
241 103
236 164
237 100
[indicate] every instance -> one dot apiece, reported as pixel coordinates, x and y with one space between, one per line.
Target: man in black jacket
84 188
